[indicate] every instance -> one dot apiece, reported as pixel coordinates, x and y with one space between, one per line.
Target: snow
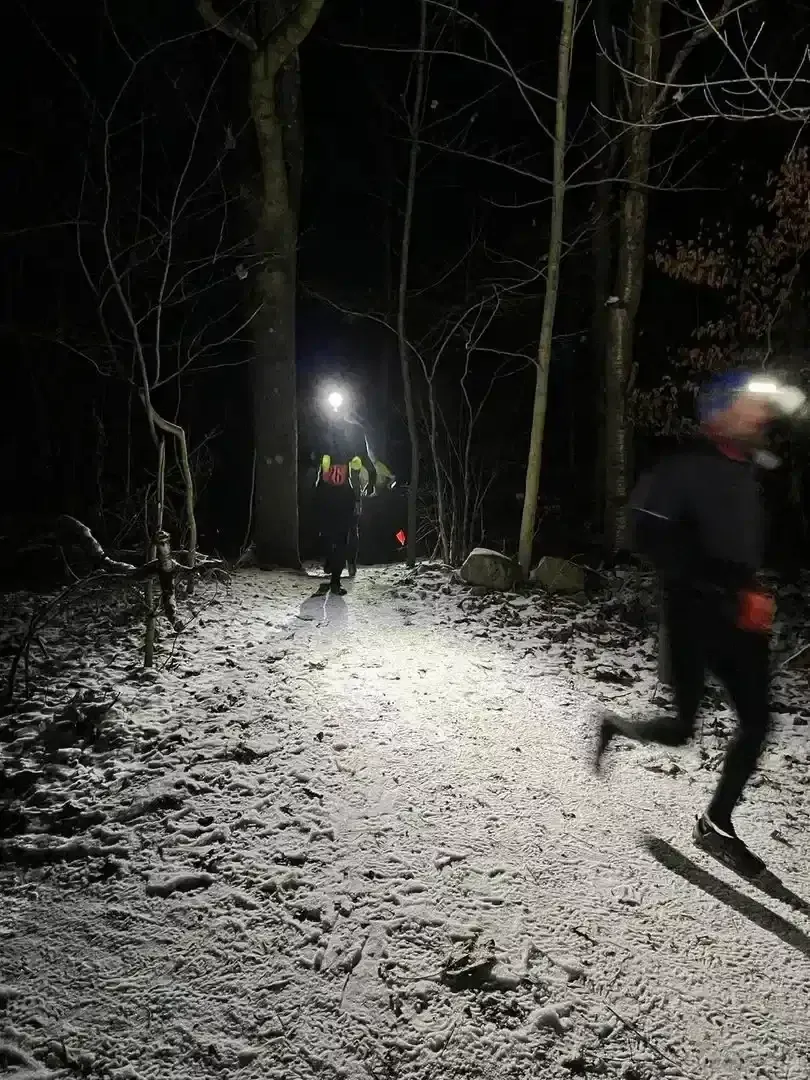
360 838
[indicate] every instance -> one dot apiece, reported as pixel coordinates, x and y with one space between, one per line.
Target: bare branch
686 51
225 25
753 94
179 435
285 39
521 86
173 214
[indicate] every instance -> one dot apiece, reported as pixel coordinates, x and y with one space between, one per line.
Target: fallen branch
152 567
21 533
92 546
639 1034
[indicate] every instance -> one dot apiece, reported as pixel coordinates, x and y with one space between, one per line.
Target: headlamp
335 400
788 401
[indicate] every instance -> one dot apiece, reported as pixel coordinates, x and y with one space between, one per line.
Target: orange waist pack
756 611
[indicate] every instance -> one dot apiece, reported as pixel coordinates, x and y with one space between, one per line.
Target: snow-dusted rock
558 575
489 569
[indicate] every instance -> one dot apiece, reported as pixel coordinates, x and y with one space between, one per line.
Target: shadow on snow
740 902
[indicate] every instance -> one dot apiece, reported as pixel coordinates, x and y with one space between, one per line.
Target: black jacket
698 516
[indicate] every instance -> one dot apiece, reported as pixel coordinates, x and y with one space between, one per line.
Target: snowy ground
359 838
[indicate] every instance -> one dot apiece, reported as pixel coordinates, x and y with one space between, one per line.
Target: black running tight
703 637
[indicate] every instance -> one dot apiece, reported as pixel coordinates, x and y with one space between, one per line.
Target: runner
343 453
698 516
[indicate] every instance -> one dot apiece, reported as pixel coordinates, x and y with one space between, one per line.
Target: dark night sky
355 153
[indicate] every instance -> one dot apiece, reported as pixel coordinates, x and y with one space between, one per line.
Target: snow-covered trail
363 790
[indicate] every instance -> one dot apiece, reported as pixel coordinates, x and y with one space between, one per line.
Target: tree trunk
383 408
274 101
278 29
529 516
646 19
275 419
389 355
435 453
602 256
402 295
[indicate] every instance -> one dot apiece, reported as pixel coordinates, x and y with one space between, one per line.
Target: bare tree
648 95
623 304
462 359
741 88
415 117
466 478
272 49
535 457
602 243
155 248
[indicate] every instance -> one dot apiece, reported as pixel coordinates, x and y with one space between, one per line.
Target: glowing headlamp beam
764 387
335 400
788 400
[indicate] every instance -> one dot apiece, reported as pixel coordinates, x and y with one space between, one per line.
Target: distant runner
344 453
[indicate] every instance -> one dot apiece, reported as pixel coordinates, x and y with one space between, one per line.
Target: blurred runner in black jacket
699 517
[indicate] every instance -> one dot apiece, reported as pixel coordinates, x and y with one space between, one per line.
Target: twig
249 530
794 656
357 957
645 1039
36 620
449 1038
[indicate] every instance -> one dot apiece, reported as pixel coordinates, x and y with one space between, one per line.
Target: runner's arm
364 454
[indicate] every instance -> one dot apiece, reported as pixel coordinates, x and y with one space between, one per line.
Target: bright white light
763 386
787 399
335 400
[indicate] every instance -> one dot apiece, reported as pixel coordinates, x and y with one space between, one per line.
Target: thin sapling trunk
533 466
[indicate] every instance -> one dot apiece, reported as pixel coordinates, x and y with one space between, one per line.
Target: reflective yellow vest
384 474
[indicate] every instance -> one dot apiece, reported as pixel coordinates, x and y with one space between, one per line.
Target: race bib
336 475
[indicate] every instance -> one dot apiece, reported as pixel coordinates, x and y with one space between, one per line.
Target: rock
558 575
575 1064
520 602
489 569
547 1017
